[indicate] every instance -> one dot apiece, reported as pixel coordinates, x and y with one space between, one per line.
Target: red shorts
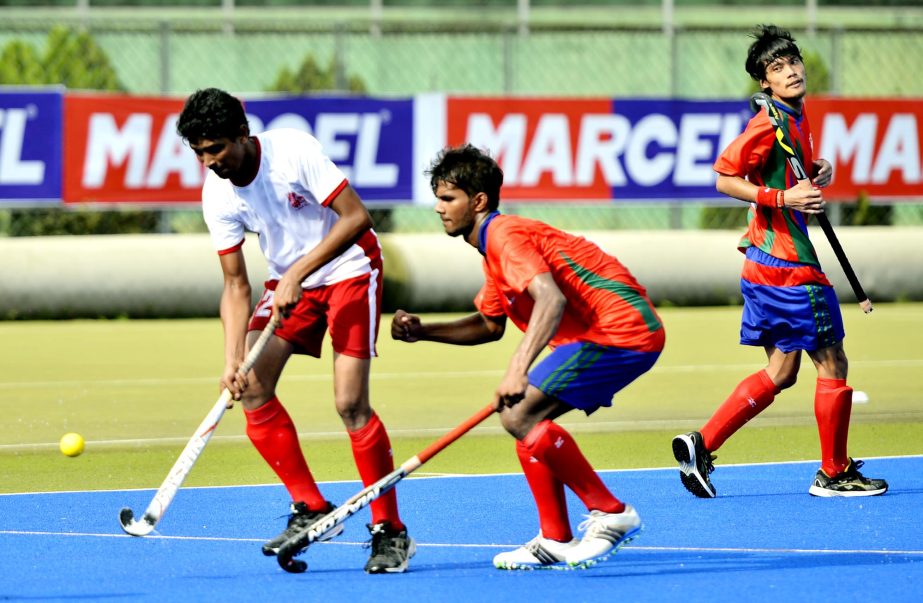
351 309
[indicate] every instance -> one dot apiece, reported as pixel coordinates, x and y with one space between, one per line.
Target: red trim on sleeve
231 249
335 192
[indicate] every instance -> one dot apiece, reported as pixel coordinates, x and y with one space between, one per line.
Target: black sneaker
848 483
301 517
695 463
391 549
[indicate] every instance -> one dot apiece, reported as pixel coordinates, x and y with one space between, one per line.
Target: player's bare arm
354 220
235 314
546 316
470 330
803 197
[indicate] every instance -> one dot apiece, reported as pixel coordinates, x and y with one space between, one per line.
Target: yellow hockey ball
72 444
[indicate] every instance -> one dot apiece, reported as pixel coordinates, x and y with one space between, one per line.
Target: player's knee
515 424
354 413
255 397
786 380
785 375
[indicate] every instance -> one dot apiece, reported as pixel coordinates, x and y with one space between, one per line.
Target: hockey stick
191 452
761 99
303 539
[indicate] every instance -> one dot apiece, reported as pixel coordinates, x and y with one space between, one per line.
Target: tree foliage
20 64
312 77
71 58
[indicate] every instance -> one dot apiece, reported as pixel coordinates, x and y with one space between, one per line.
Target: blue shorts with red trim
587 375
804 317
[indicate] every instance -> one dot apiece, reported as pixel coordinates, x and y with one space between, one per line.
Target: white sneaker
538 553
604 534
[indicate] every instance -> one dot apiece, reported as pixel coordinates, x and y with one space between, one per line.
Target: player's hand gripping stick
763 100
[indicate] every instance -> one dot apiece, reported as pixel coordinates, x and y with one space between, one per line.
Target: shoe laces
294 513
381 539
852 471
592 524
302 516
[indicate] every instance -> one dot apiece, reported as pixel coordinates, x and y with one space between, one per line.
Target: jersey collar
482 232
789 111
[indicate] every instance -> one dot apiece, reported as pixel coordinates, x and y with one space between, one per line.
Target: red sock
750 398
374 459
832 408
555 448
548 492
273 434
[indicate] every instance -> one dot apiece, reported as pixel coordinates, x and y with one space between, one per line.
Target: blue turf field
763 539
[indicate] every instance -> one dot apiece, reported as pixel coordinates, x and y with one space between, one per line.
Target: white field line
628 549
648 424
424 475
678 423
326 377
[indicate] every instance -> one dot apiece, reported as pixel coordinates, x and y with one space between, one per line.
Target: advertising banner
370 139
874 146
98 148
125 149
30 145
599 149
663 149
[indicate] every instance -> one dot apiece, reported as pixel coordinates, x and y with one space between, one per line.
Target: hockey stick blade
134 527
191 452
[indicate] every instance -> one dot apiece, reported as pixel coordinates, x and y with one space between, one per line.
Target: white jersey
287 205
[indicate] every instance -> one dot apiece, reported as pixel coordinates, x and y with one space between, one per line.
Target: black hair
211 114
770 43
470 169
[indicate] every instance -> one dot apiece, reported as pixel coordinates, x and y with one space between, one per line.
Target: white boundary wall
179 275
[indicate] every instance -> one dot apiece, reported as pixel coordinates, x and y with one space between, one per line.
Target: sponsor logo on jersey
296 200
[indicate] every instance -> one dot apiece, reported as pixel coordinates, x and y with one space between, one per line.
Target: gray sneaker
695 463
391 549
848 483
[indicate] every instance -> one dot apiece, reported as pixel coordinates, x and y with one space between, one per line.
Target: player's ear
244 130
481 202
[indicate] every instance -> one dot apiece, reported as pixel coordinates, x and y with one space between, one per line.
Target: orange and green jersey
754 155
605 304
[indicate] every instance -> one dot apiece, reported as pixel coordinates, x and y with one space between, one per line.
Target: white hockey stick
191 452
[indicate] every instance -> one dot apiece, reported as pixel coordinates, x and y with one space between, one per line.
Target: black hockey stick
190 454
303 539
761 99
